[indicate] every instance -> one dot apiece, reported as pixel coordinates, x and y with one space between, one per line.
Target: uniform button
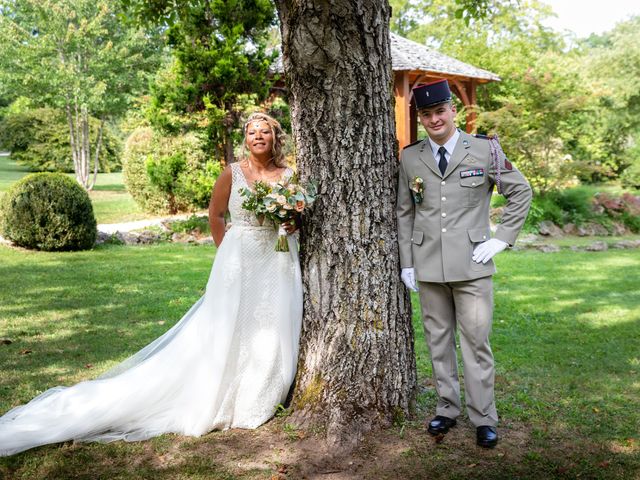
444 214
444 199
473 184
484 237
443 183
444 230
412 239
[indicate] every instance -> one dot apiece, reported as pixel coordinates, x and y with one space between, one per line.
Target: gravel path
138 224
111 228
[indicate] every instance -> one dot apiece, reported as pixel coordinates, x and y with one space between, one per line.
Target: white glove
408 276
487 250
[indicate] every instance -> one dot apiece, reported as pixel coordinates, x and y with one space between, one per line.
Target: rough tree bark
357 364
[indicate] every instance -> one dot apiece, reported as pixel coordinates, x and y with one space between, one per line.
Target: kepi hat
431 94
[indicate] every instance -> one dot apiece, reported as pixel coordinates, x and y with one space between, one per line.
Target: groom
444 191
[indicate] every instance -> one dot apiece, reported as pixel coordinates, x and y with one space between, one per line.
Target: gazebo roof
407 55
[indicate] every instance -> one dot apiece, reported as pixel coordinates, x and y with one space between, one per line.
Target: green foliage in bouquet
279 203
254 201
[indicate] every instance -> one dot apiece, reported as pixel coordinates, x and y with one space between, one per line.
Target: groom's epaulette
484 137
412 144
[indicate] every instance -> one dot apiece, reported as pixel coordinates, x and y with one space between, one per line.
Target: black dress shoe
440 424
487 436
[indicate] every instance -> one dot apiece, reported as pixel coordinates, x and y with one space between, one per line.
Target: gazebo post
466 92
414 120
402 93
471 114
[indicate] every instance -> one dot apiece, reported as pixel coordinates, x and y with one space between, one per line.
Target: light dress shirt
449 146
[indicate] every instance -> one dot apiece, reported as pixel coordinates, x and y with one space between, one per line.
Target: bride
227 363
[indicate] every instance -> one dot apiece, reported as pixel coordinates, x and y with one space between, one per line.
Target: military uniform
438 229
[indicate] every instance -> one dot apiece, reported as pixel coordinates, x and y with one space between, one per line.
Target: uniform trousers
468 306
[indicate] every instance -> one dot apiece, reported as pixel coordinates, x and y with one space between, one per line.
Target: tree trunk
357 364
229 156
73 141
86 148
96 160
229 122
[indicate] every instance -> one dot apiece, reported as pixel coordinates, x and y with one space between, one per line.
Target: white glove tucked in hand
408 276
487 250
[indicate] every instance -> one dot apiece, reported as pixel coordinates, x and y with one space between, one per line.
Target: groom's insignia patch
472 173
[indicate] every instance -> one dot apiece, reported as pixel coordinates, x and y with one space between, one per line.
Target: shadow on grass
114 187
566 336
97 308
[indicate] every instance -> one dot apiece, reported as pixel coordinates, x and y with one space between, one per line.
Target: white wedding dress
227 363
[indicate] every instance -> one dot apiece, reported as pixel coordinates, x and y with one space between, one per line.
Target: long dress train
227 363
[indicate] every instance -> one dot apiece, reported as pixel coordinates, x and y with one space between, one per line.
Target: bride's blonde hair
278 136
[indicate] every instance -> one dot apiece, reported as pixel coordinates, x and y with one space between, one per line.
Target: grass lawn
10 172
566 340
111 201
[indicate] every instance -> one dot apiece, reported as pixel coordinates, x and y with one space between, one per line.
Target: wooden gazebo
414 64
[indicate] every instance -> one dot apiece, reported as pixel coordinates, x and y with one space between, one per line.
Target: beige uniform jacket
437 235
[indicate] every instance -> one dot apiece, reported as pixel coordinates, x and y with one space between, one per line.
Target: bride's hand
291 226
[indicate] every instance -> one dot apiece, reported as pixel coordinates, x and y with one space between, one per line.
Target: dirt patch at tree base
279 451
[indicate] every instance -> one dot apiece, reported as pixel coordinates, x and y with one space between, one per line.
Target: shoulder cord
496 149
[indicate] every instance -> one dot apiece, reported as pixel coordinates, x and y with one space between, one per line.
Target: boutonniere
417 187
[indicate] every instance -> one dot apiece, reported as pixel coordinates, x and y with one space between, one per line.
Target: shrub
575 205
166 174
137 150
543 207
192 224
625 209
581 205
48 211
39 139
630 178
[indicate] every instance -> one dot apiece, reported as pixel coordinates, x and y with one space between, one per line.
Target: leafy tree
220 64
563 109
539 101
39 139
75 55
611 69
540 122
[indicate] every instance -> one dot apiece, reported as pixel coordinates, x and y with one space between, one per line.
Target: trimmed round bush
168 174
48 211
137 150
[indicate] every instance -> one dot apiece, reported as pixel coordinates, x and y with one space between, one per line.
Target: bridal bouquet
278 203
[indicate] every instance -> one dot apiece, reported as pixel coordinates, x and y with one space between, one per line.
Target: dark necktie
442 163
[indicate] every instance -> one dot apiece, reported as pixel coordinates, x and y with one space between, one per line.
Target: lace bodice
240 216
